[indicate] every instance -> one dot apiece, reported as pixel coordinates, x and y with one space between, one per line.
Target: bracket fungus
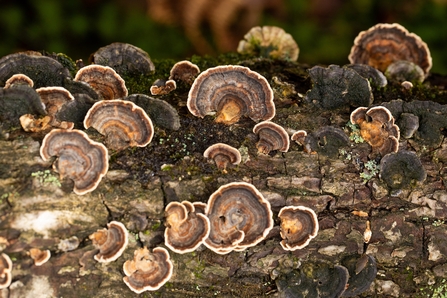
362 272
223 155
269 42
148 271
326 140
271 137
54 98
232 91
104 80
161 87
377 128
299 225
5 271
40 257
186 229
79 158
184 71
373 75
122 122
403 71
111 242
383 44
240 217
401 169
19 79
334 87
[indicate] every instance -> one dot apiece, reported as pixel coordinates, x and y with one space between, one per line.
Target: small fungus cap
383 44
186 229
375 76
122 122
5 271
223 154
184 71
148 271
161 87
271 137
239 216
104 80
403 71
232 91
327 140
82 160
362 272
40 257
54 98
111 242
299 225
19 79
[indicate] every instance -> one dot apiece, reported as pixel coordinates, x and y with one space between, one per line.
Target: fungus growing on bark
223 155
5 271
401 169
408 124
403 71
269 42
54 98
19 79
161 87
122 122
375 76
383 44
271 137
362 272
327 140
148 271
186 229
184 71
40 257
231 91
240 217
79 158
124 58
335 87
104 80
299 225
377 128
111 242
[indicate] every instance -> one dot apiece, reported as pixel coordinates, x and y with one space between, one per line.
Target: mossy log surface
409 234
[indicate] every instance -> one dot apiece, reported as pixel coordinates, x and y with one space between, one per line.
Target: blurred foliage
323 29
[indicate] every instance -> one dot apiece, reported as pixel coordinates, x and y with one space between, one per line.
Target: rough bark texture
408 229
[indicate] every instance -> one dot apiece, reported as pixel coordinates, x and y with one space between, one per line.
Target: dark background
323 29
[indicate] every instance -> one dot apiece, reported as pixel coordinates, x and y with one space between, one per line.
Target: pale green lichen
371 170
45 177
355 133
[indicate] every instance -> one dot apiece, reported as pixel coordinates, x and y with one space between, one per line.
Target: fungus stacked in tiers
111 242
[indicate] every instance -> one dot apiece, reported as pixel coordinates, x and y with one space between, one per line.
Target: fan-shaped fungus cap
326 140
270 42
161 87
375 76
232 91
334 87
111 242
184 71
122 122
382 44
377 128
362 272
104 80
5 271
79 158
271 137
299 225
401 169
148 271
223 154
408 124
54 98
240 217
185 228
19 79
40 257
403 71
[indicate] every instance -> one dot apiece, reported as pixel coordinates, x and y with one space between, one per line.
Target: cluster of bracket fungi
237 215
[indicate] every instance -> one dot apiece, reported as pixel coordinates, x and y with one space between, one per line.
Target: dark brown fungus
362 272
271 137
111 242
124 58
5 271
75 111
122 122
269 42
383 44
337 87
40 257
223 155
326 140
408 124
299 225
231 91
375 76
19 79
401 169
104 80
377 128
161 87
239 216
33 65
148 271
186 229
184 71
403 70
79 158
